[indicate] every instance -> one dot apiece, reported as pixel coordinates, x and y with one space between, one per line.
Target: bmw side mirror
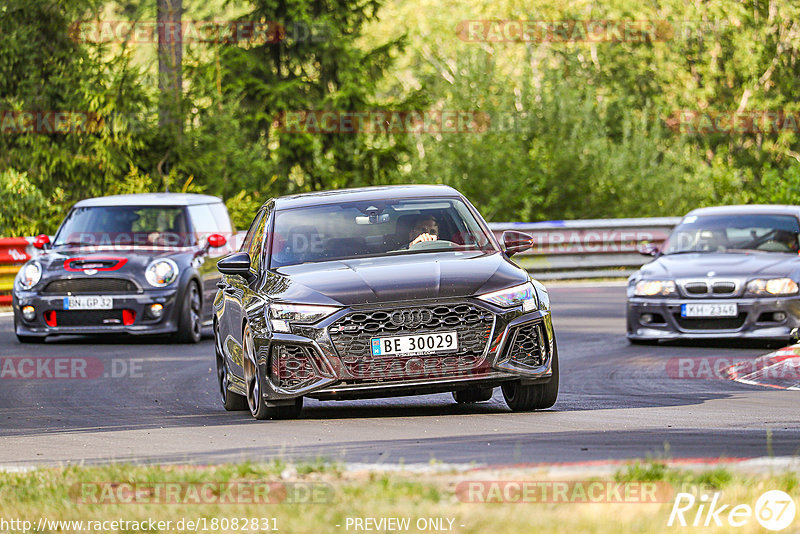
236 263
648 249
514 242
41 241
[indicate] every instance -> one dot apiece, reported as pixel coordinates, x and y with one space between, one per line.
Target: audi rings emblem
411 318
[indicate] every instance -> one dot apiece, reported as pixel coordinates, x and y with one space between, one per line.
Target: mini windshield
732 233
352 230
162 226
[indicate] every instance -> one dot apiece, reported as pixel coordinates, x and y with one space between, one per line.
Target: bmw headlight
523 294
161 273
280 315
654 288
29 275
773 286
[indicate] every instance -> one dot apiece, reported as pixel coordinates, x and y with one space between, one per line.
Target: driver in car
425 229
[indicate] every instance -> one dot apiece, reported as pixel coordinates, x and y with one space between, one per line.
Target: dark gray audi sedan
379 292
724 272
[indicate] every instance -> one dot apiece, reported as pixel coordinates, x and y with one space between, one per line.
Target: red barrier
14 251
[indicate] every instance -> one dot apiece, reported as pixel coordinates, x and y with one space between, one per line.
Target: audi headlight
523 294
281 315
654 288
161 273
773 286
29 275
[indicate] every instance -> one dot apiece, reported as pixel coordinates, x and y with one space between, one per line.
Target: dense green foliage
578 129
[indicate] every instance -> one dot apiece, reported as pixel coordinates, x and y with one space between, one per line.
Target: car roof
360 194
748 209
150 199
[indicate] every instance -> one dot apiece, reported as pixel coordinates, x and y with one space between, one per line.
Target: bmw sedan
379 292
131 264
724 272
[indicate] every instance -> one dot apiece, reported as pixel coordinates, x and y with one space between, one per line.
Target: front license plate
709 310
88 302
416 344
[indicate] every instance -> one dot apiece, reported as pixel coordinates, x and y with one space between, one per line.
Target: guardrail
591 248
14 251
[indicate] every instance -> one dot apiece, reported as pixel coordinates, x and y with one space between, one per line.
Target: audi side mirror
514 242
41 241
236 263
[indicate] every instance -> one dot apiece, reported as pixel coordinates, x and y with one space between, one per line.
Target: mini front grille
711 323
90 286
526 345
352 338
89 317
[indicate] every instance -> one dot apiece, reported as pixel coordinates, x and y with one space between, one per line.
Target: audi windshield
362 229
735 233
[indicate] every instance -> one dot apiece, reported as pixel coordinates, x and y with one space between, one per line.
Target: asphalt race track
142 401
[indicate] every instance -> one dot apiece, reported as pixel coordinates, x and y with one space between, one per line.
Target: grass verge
322 497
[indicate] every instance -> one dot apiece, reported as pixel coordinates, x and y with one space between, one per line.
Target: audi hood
395 278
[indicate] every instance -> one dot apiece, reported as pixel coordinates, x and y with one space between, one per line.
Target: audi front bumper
329 360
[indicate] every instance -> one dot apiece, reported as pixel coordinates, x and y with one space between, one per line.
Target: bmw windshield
734 233
361 229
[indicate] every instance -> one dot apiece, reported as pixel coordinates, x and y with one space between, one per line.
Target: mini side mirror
216 240
41 241
514 242
236 263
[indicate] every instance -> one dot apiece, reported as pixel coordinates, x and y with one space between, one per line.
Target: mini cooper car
724 272
136 264
379 292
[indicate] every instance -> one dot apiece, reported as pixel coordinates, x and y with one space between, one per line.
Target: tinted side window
256 245
248 239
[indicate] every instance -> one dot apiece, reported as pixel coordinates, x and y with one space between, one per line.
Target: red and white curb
777 370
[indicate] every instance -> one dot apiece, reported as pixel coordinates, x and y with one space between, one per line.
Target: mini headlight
773 286
161 273
653 288
29 275
300 313
523 294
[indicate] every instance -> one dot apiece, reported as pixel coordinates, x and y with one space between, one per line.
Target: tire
233 402
535 396
471 395
190 328
254 382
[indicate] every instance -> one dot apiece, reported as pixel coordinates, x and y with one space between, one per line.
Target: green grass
339 494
